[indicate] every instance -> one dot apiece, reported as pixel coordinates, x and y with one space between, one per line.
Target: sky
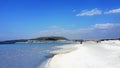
74 19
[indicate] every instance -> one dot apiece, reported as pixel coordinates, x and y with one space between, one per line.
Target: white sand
65 49
88 55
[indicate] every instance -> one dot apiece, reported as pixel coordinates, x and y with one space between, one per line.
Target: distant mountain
50 38
39 39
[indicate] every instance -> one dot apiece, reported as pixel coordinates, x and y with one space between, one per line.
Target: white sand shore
89 55
65 49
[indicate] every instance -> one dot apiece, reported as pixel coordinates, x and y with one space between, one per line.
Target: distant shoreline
50 39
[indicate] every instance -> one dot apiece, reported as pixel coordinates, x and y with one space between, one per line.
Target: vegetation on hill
51 38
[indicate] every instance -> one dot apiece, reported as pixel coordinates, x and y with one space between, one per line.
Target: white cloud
90 12
113 11
97 12
104 26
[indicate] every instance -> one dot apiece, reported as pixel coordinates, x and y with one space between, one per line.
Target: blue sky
74 19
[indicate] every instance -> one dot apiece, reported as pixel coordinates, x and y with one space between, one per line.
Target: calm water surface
25 55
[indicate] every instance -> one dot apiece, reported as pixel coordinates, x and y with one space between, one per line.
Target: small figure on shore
80 42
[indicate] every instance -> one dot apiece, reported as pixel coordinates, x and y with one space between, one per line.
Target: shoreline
87 55
64 49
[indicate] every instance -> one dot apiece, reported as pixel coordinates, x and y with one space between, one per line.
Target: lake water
25 55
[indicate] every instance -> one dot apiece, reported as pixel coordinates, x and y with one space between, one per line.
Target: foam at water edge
64 49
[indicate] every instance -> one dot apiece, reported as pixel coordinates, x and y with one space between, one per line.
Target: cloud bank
96 31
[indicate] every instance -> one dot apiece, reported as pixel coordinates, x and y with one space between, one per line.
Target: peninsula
35 40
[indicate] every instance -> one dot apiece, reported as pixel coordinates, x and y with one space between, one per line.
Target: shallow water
25 55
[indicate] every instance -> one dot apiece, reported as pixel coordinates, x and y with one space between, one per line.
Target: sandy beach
105 54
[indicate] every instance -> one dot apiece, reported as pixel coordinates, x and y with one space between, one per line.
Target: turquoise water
25 55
